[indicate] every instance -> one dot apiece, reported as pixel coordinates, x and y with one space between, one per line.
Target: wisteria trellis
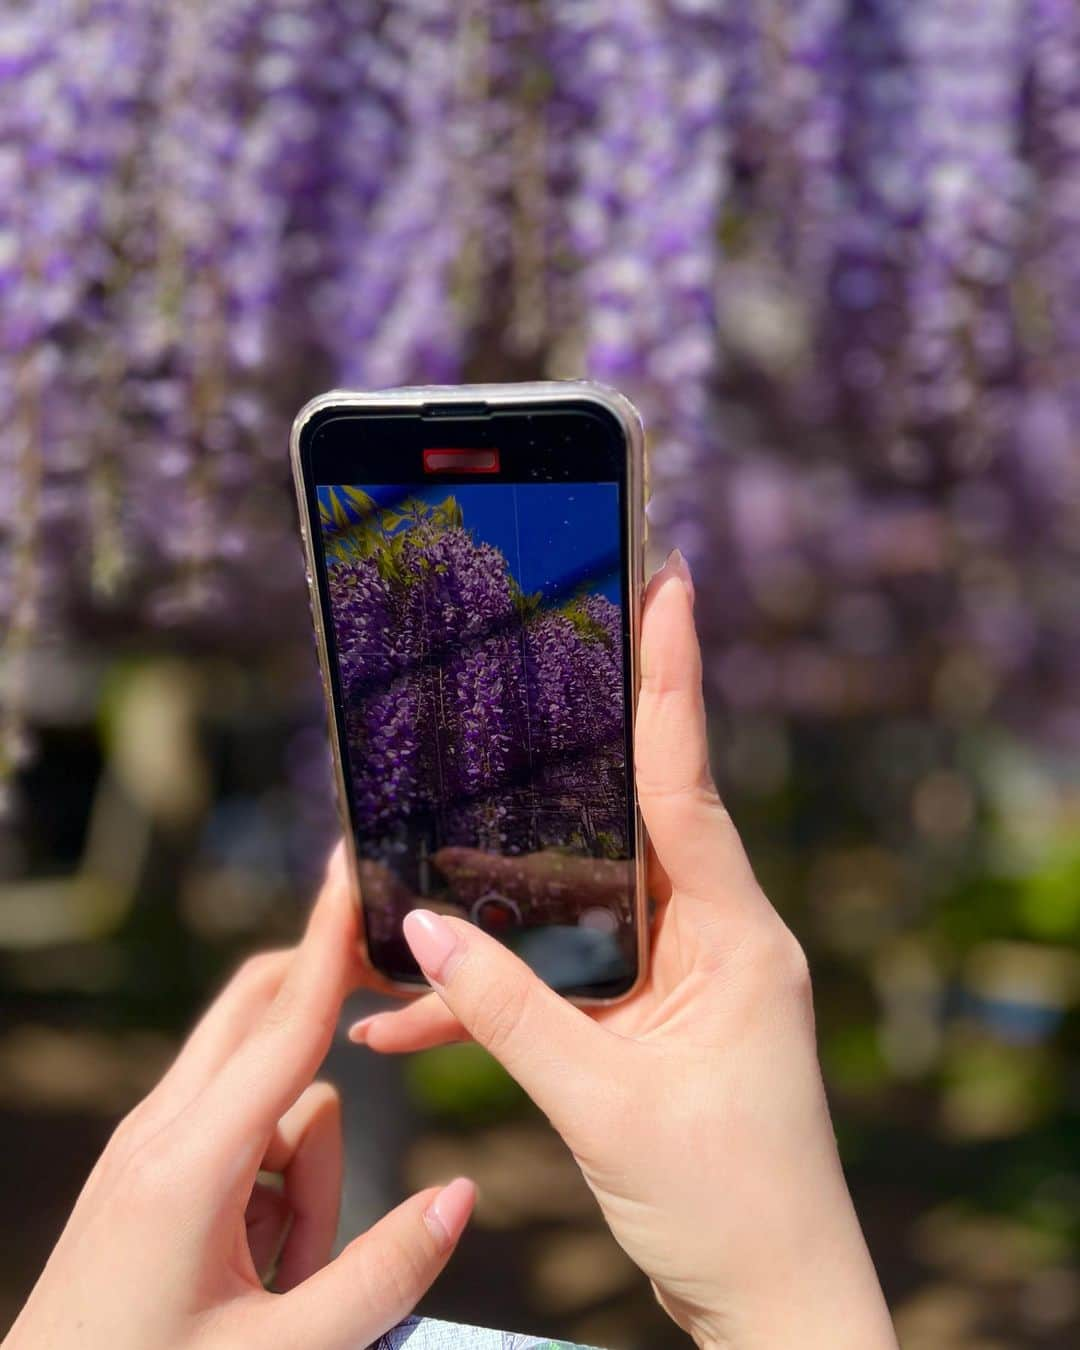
832 247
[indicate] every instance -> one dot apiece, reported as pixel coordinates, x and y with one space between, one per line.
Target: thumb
692 834
560 1056
379 1278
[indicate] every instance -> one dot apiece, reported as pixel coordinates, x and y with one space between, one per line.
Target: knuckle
325 1100
404 1270
126 1139
778 964
782 959
259 969
123 1138
326 1094
796 967
292 1012
150 1170
412 1264
695 790
282 1010
498 1018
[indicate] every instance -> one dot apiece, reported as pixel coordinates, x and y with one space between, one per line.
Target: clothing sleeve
423 1333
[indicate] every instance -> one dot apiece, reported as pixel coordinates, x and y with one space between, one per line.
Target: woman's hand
170 1242
695 1110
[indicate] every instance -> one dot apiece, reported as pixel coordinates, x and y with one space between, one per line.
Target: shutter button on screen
495 913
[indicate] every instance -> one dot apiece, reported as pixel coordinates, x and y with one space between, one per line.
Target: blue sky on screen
557 537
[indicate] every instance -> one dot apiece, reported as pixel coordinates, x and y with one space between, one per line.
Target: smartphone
475 559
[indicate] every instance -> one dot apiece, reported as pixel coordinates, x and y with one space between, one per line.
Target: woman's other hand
174 1234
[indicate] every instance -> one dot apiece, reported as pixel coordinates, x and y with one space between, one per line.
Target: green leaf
360 498
449 514
528 606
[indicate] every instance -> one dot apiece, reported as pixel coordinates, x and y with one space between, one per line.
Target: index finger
273 1066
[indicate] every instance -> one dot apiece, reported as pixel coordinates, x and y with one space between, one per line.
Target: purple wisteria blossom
647 88
830 249
474 716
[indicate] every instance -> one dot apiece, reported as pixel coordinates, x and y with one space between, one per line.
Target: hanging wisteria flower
473 714
831 249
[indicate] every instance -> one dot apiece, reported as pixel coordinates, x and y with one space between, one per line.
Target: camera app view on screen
478 632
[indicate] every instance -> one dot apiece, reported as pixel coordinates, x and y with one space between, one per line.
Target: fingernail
449 1212
432 941
676 562
358 1032
335 864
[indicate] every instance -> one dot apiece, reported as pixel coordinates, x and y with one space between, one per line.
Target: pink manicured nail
676 562
358 1031
335 864
449 1212
432 941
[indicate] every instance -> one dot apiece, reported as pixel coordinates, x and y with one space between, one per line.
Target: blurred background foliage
832 249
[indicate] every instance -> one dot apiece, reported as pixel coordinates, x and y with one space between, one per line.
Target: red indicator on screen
461 461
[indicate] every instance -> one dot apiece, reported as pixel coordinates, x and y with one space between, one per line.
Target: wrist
824 1295
842 1328
855 1318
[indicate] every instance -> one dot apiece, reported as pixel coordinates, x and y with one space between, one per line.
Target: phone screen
476 621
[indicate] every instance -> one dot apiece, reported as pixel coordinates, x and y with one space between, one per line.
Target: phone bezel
457 415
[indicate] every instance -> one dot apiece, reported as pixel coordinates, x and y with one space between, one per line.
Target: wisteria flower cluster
475 715
832 249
